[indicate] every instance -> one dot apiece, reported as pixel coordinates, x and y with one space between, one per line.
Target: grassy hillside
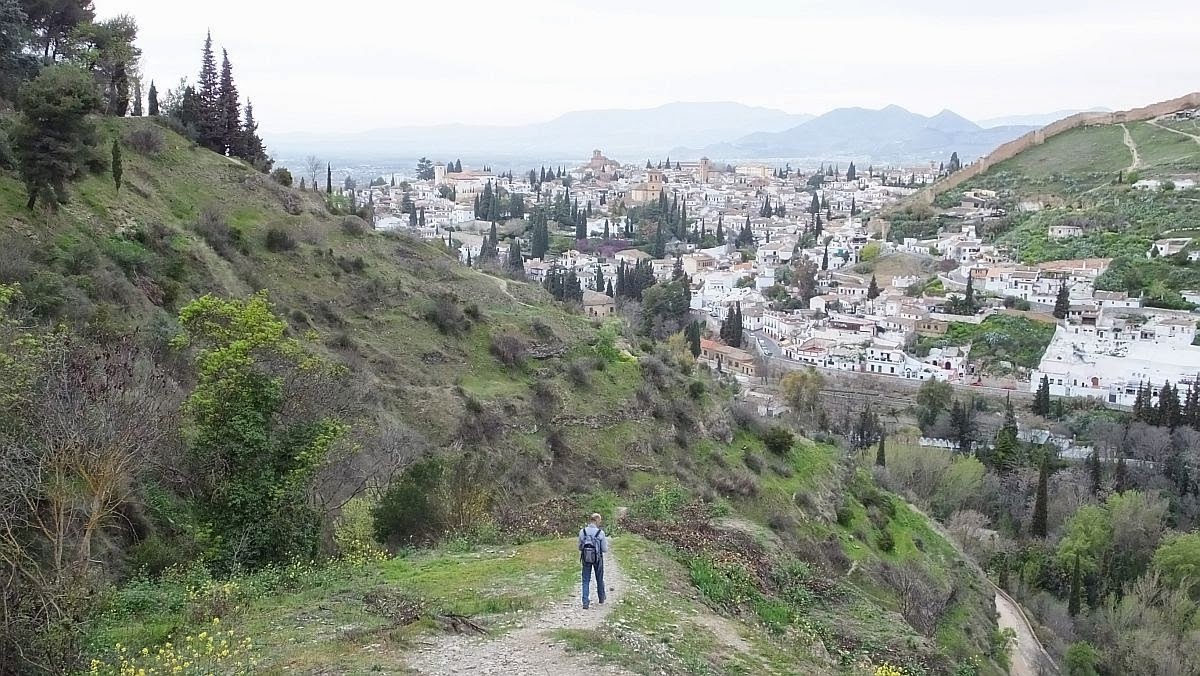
448 361
1084 177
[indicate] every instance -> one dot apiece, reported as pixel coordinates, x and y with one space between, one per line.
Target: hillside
779 550
1124 184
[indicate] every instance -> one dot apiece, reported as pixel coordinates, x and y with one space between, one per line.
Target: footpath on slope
1133 149
529 649
1029 656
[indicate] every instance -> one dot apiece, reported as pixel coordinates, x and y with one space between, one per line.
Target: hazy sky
365 65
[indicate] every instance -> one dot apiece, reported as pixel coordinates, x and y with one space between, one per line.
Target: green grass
1019 341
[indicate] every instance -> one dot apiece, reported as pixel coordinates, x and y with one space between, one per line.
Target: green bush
408 511
885 542
1082 659
726 585
279 240
778 440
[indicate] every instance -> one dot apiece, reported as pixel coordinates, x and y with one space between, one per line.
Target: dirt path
1028 656
529 649
1133 150
1194 137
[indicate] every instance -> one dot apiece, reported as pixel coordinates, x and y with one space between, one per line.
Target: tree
825 258
1073 602
802 392
873 289
1178 559
693 338
1062 302
962 426
851 174
328 179
1037 526
1041 400
54 22
1095 472
137 97
54 136
516 262
955 164
251 147
312 168
425 169
933 397
152 103
117 167
262 419
880 456
209 91
229 120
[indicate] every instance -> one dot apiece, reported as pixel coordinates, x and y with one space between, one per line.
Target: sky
322 66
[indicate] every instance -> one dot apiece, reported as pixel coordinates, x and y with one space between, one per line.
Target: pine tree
873 289
227 107
1075 601
1062 303
209 124
117 165
251 145
1037 527
880 454
152 100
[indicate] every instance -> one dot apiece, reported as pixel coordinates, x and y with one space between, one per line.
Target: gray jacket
596 532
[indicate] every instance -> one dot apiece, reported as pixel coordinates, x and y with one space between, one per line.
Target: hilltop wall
1039 136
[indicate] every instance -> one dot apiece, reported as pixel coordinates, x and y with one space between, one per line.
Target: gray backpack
590 545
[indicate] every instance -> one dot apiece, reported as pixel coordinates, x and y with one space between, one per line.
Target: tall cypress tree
1041 400
1062 302
117 165
1037 527
231 139
152 100
328 179
516 263
880 454
209 91
1074 602
1095 472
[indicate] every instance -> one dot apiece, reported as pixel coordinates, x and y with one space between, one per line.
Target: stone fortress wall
1039 136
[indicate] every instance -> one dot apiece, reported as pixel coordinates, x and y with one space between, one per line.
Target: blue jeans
598 566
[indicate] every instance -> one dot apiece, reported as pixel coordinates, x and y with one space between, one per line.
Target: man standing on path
593 545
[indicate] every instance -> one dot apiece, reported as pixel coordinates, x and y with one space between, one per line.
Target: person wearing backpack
593 545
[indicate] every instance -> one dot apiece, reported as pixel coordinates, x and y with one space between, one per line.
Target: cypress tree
1121 475
598 280
1095 473
117 168
880 454
1041 400
1037 527
606 233
720 230
227 106
251 147
693 336
608 289
152 100
328 179
1074 602
1062 302
825 258
516 263
873 289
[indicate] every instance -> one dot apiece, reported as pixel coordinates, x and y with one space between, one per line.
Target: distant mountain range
626 135
720 130
890 134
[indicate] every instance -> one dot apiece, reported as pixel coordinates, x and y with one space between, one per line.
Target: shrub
147 141
444 313
725 584
661 505
696 389
885 542
1082 659
7 159
213 229
354 226
354 531
579 372
282 176
778 440
279 240
509 350
754 461
408 511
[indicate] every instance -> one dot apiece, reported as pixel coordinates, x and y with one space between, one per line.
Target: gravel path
529 649
1028 656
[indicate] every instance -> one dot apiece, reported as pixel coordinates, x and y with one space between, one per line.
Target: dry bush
147 141
737 483
579 372
922 600
214 229
509 349
354 226
279 240
444 313
88 421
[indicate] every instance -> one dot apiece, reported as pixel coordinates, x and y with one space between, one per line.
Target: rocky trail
530 648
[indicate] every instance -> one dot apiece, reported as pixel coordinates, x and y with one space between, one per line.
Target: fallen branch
459 623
